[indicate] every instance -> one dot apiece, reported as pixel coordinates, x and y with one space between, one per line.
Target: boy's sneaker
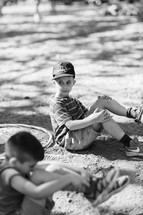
99 187
133 150
139 112
119 185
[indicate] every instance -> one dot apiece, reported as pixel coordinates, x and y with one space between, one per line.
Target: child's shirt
62 110
10 199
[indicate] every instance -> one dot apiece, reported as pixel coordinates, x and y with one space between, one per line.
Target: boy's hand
85 175
104 97
101 115
77 180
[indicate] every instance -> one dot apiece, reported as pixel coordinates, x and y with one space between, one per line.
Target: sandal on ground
139 117
100 186
119 185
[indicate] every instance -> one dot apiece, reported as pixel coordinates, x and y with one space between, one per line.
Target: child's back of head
24 143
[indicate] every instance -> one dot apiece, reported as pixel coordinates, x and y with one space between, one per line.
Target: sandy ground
107 53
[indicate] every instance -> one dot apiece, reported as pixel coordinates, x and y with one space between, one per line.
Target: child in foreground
26 184
76 126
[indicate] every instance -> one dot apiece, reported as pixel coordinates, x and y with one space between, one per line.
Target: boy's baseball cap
63 69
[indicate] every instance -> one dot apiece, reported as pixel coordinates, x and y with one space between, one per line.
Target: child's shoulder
60 100
7 172
7 168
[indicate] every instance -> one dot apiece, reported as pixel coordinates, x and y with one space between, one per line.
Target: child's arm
26 187
62 168
96 117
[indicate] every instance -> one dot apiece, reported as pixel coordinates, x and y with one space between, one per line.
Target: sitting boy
26 185
75 126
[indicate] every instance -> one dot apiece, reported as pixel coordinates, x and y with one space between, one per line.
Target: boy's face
64 85
25 167
13 161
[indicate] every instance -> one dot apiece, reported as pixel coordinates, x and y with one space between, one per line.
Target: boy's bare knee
103 100
100 103
56 169
52 168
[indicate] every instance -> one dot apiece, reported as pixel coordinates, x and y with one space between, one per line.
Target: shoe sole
99 199
109 195
134 154
126 182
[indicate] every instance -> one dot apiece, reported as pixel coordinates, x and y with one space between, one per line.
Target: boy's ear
13 161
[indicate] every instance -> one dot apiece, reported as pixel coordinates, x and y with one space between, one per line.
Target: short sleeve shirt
10 199
62 110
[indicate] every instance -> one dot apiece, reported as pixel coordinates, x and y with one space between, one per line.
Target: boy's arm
28 188
97 116
79 124
39 191
62 168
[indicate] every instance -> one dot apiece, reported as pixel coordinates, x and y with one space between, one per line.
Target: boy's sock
126 140
131 113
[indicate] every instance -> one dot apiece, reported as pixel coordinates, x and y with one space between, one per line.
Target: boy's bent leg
29 207
54 171
50 173
131 146
39 176
113 129
109 104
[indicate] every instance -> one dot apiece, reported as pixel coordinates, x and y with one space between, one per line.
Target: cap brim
62 75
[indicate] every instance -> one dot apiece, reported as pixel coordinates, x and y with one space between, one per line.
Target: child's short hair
25 143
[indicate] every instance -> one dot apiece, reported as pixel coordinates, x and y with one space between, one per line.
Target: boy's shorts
79 139
29 207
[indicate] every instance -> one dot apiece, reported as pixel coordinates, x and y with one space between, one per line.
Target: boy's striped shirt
62 110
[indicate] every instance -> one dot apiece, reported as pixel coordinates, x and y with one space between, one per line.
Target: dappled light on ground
106 50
